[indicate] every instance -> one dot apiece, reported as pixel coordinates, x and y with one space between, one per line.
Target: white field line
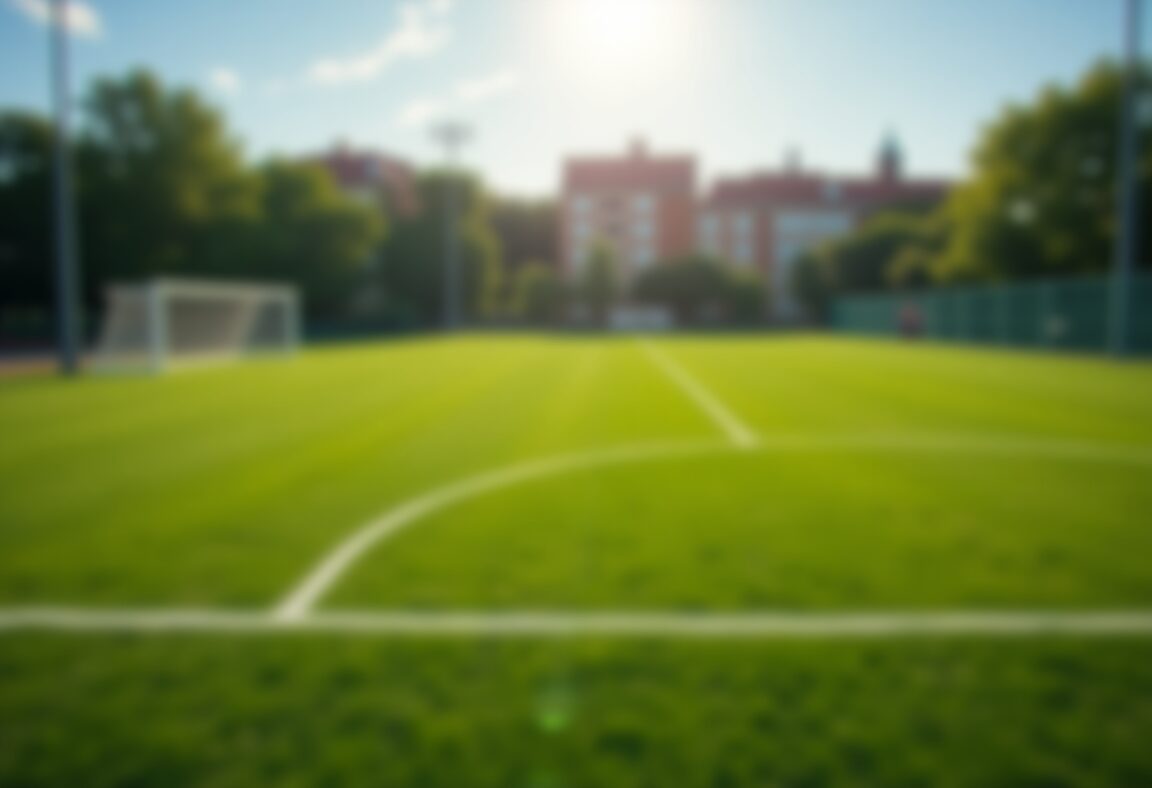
561 624
735 430
304 595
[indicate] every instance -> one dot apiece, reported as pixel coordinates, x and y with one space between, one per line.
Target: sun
621 43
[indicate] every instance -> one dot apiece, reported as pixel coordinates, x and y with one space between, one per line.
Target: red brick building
767 220
639 204
644 206
368 175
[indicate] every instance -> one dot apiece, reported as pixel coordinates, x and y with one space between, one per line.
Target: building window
709 229
582 205
642 255
743 225
643 204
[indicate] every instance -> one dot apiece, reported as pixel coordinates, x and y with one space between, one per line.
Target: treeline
1040 202
163 188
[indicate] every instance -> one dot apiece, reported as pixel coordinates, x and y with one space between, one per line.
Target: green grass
248 473
174 711
792 529
223 487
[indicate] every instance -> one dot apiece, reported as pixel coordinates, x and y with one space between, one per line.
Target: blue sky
735 81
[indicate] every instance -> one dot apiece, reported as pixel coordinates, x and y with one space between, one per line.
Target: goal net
166 322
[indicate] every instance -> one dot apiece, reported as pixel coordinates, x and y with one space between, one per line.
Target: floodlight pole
1126 188
67 264
452 136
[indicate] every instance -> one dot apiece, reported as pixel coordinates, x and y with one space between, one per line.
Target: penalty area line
721 415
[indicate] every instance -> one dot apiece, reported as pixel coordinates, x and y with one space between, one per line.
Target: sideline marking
721 415
561 624
303 596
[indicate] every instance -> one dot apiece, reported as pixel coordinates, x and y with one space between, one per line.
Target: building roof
356 170
638 170
809 189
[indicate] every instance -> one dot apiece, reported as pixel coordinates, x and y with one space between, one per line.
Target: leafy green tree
864 260
746 298
527 231
312 235
412 264
1041 200
693 285
25 217
600 283
164 189
539 295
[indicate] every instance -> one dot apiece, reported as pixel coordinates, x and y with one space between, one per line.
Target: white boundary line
722 416
295 611
560 624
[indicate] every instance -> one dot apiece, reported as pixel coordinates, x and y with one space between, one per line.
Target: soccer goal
166 322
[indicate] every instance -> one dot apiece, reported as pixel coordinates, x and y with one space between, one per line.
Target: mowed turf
103 710
796 528
221 486
224 486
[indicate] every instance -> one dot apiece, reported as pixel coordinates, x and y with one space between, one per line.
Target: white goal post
165 322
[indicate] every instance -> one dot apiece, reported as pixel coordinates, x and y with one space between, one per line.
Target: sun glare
621 43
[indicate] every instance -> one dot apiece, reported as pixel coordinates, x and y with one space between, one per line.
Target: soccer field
581 561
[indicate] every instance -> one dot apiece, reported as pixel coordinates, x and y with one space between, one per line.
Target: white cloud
488 87
80 18
421 112
467 93
421 32
225 80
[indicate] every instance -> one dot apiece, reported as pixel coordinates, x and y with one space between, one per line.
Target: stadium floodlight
1127 184
452 136
67 255
167 322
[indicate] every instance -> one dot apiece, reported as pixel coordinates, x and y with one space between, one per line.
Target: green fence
1063 314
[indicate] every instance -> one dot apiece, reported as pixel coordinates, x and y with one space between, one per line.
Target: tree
26 142
600 283
1041 200
746 297
310 234
527 231
163 189
539 294
692 286
412 265
864 260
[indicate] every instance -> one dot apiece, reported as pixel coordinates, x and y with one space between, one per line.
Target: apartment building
767 220
641 205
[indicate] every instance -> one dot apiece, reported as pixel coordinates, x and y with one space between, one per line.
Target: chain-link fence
1064 314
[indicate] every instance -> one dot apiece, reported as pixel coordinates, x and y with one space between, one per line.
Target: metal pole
451 252
452 136
1126 188
67 264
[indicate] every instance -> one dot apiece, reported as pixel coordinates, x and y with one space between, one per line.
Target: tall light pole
452 135
67 264
1126 187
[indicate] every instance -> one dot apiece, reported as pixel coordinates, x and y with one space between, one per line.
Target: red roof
362 169
636 171
810 189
